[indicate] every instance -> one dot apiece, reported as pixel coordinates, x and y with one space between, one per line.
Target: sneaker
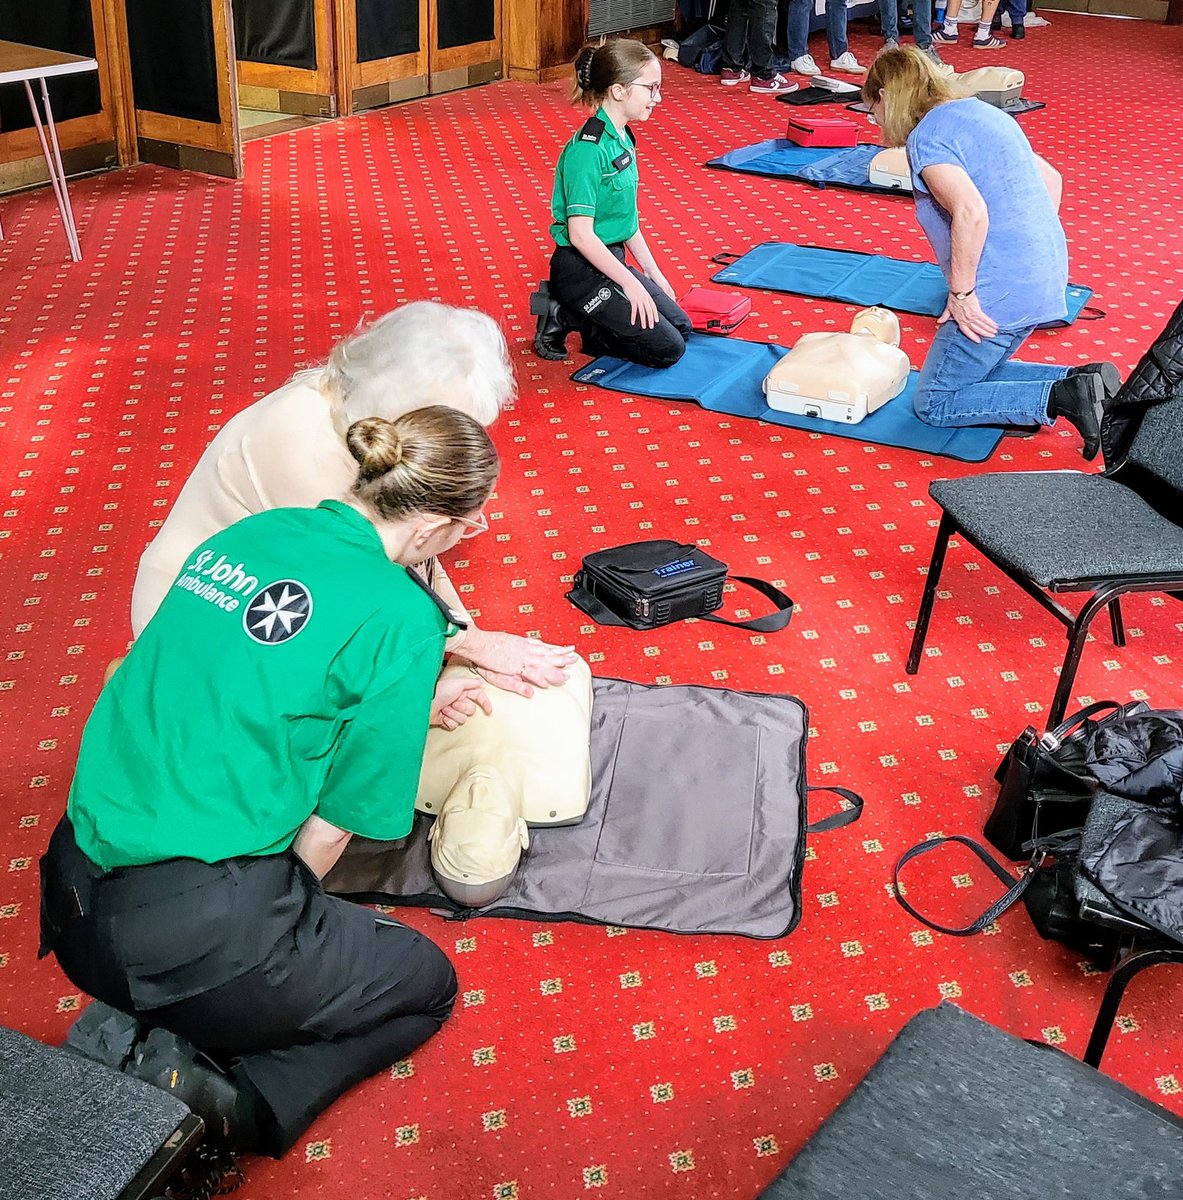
890 44
1004 20
944 39
987 43
805 65
730 78
1035 21
847 62
776 83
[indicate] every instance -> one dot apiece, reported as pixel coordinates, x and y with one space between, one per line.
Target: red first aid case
822 131
714 312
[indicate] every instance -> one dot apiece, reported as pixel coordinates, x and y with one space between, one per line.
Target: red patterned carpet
583 1058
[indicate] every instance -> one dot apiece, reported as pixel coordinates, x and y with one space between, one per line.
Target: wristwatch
965 295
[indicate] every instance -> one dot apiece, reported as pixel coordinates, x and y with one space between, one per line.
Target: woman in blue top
988 204
617 309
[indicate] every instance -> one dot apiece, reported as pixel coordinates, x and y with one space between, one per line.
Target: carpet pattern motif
584 1059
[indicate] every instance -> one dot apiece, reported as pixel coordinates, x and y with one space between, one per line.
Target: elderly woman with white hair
288 450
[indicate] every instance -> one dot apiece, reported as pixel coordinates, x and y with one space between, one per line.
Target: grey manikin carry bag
696 823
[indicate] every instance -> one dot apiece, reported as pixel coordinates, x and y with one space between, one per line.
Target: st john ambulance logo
278 612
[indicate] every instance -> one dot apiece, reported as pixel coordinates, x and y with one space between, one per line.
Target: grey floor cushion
958 1108
696 822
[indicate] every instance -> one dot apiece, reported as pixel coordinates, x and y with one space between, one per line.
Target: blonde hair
436 460
598 68
912 87
423 353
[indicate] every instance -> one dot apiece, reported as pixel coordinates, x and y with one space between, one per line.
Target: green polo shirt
289 671
597 177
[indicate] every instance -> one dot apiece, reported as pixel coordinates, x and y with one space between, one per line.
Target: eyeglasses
654 88
474 527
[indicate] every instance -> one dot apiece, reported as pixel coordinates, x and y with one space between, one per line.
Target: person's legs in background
797 35
841 59
736 40
761 36
889 18
922 25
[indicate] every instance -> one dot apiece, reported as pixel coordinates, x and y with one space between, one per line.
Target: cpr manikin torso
842 376
1000 86
488 780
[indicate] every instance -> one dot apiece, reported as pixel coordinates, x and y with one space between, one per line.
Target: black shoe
1110 379
1018 32
105 1035
550 337
1078 398
175 1066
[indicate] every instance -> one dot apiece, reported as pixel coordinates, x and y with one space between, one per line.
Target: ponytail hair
436 460
598 68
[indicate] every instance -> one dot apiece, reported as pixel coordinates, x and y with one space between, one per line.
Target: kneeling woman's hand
514 663
456 700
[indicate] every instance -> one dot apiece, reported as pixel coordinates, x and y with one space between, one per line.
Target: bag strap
725 258
770 622
1094 313
595 608
1069 724
846 816
1014 892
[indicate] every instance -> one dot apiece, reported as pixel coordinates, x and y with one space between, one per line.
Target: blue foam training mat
725 375
856 278
779 158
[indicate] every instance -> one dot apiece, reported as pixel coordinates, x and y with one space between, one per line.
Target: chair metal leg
1077 636
1116 622
1115 990
947 527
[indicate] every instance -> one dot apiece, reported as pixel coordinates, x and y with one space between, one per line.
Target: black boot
550 337
1078 398
1110 379
105 1035
1018 32
230 1112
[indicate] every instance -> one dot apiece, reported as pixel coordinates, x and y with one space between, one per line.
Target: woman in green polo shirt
276 704
617 309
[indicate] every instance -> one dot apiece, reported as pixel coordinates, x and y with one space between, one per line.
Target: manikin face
638 99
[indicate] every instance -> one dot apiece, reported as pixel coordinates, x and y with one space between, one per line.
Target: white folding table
24 64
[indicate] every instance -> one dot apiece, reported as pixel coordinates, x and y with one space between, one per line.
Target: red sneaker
777 83
730 78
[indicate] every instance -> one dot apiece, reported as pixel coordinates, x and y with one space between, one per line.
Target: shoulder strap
595 608
592 131
846 816
770 622
1015 887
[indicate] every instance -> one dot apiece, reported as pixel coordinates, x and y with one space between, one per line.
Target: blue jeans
975 383
1016 8
797 27
889 18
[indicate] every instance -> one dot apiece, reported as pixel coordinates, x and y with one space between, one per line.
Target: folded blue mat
725 375
856 278
779 158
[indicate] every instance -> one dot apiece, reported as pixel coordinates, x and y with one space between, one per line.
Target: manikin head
879 323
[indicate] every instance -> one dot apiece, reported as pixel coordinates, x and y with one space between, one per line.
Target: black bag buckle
1038 858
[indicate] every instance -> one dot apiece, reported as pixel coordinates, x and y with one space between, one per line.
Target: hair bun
375 445
583 67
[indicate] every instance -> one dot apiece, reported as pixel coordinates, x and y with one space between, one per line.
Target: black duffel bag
647 584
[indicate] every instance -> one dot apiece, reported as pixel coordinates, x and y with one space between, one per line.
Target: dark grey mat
72 1129
957 1108
696 822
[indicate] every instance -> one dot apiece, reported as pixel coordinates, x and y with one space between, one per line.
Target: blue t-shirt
1023 270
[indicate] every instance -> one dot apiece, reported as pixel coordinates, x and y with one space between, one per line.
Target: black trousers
301 995
598 310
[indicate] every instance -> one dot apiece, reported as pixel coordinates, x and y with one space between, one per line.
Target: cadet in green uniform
277 703
617 309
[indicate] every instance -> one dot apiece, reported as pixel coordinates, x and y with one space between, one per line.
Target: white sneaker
1034 21
805 65
847 62
1005 22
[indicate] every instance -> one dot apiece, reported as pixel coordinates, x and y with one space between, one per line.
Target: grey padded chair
1067 531
957 1108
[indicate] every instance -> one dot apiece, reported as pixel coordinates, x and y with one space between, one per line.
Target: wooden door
382 52
285 56
179 73
465 43
84 106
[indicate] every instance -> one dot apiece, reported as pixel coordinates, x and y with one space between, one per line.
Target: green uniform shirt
597 177
289 671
